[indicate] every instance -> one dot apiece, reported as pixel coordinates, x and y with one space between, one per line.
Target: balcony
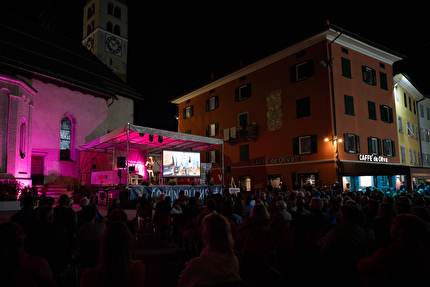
239 134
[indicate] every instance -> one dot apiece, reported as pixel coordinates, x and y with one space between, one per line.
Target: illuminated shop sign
372 158
272 160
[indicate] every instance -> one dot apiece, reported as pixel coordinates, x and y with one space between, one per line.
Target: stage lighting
151 138
160 139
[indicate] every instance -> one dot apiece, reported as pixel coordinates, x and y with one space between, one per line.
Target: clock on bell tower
105 33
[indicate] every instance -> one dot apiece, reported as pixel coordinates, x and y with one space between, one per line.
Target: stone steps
54 191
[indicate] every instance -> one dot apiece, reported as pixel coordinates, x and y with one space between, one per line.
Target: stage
137 191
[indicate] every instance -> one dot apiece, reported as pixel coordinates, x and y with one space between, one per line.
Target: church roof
31 51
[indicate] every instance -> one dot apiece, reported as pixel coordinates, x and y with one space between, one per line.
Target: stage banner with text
173 190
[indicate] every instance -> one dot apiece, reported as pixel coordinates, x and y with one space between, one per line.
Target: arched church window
109 26
117 12
110 9
23 138
117 30
65 139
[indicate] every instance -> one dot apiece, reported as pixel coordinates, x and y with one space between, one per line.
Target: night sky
175 47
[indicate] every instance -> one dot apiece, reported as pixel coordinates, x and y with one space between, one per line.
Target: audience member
116 266
404 263
258 221
342 248
17 268
64 214
281 219
115 204
49 240
27 216
217 263
84 202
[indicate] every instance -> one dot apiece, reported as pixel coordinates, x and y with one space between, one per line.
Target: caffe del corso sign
372 158
272 160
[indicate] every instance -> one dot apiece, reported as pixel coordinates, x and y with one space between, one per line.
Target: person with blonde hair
217 263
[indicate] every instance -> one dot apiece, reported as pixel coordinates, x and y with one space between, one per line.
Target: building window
305 144
383 79
349 105
110 9
65 139
117 12
244 152
117 30
369 75
303 107
428 113
402 151
212 103
389 148
109 26
386 114
302 71
411 159
405 98
409 129
422 111
346 68
188 112
352 143
243 92
371 106
212 156
23 138
212 130
400 124
374 145
90 11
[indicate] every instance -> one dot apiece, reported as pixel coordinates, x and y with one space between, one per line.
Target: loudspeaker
120 162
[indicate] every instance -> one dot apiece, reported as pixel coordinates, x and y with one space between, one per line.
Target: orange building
320 111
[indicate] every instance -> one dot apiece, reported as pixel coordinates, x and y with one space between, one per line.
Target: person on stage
149 165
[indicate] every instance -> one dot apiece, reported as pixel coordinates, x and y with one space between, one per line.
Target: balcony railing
238 134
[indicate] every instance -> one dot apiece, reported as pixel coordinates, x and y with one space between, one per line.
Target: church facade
55 95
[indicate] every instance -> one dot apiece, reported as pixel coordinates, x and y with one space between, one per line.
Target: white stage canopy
139 138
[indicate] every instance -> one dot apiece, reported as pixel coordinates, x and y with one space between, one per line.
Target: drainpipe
334 109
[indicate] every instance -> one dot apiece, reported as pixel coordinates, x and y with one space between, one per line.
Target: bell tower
105 33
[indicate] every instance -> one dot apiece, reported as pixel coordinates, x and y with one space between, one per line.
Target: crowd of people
296 237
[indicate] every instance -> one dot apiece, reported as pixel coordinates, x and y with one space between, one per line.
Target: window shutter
207 130
346 141
216 129
369 145
185 113
295 145
393 148
390 111
314 144
216 102
293 76
236 94
310 67
191 111
378 146
207 105
357 144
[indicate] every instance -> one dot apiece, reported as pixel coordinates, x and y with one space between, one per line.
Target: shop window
212 103
245 183
352 143
369 75
188 112
389 148
243 92
371 107
305 144
303 107
302 71
374 145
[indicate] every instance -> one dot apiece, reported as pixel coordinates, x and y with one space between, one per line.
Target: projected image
181 163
